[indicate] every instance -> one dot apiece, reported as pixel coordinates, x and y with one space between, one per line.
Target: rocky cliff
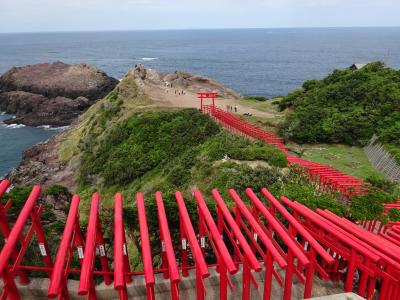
51 93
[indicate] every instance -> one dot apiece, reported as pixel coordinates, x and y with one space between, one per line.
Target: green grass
266 106
272 121
257 98
351 160
394 150
120 104
268 124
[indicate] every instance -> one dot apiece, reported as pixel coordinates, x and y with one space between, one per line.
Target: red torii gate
251 237
207 95
7 272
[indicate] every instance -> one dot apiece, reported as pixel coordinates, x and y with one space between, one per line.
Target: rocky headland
51 93
140 89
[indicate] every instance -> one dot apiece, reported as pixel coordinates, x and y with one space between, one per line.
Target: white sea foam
149 58
44 126
13 126
61 128
48 127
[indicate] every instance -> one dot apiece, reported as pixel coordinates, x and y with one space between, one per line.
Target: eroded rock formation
51 93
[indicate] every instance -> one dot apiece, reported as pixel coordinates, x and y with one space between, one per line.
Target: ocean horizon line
198 29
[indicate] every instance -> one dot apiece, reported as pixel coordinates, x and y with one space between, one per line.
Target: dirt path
165 96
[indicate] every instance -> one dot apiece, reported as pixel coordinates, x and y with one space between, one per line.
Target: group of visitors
232 108
177 92
170 86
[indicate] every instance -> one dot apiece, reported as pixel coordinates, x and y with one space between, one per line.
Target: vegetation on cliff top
348 106
171 142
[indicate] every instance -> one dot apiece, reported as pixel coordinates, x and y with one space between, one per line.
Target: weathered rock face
33 109
40 165
51 94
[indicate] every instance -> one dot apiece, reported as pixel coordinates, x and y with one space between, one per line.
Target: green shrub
55 228
236 147
57 190
273 156
292 185
369 206
233 175
48 215
180 171
145 141
346 107
382 183
113 95
394 151
394 215
306 194
18 195
290 99
257 98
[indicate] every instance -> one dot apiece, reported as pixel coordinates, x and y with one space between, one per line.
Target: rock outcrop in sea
52 93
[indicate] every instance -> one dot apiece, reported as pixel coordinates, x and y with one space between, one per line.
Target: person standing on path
236 108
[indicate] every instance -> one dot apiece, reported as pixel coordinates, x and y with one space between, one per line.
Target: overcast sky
82 15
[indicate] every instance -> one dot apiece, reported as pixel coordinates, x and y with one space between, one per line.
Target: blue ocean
268 62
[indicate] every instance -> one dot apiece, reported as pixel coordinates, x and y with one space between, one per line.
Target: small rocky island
51 93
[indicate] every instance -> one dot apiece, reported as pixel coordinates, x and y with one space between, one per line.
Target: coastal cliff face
53 93
41 165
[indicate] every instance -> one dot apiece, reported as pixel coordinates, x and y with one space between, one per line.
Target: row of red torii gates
327 177
258 234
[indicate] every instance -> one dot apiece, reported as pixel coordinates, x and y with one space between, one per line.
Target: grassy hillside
348 106
161 150
350 159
